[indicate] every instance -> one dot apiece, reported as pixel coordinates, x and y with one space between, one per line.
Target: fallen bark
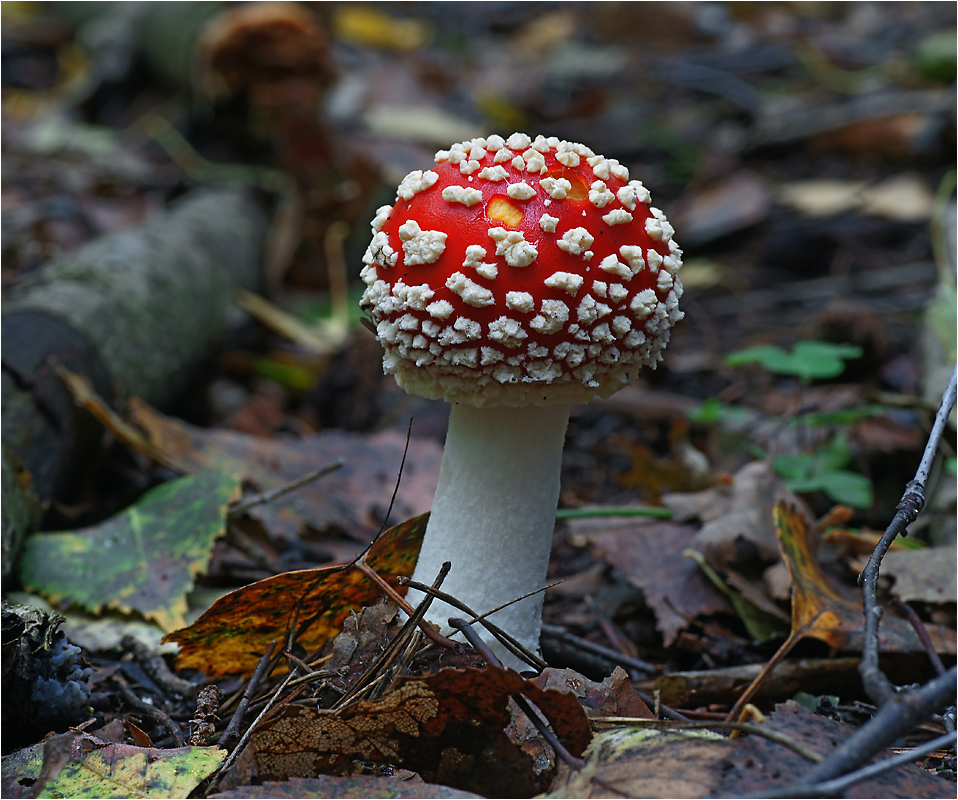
133 312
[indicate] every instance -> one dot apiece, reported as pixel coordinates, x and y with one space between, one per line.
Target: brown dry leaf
360 787
636 762
739 201
758 764
614 697
831 613
352 498
926 576
447 726
737 531
650 555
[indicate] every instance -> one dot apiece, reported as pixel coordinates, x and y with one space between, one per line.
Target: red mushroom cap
521 272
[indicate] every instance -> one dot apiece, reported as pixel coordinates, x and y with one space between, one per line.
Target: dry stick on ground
155 713
389 655
837 786
877 686
916 622
238 539
274 494
232 730
155 666
901 714
401 601
504 638
560 634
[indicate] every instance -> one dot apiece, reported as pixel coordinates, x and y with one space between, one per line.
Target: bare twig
876 684
274 494
922 632
237 539
232 730
381 664
507 641
836 787
155 666
896 718
564 636
155 713
404 604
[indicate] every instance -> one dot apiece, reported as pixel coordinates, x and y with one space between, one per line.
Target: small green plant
809 359
823 470
713 411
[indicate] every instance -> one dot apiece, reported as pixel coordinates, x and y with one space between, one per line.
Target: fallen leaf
761 623
738 202
353 499
143 559
903 198
737 531
370 26
233 633
360 787
86 766
831 613
447 726
758 764
650 555
21 769
614 697
637 762
927 575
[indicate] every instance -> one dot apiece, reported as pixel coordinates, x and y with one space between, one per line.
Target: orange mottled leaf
232 634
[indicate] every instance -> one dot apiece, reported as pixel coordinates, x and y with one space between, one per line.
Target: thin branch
876 684
897 717
232 730
916 622
224 767
273 494
404 604
383 662
562 635
509 642
836 787
155 713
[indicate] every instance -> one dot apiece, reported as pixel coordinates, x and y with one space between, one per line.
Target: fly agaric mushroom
514 278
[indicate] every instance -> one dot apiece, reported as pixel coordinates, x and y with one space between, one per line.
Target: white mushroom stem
494 515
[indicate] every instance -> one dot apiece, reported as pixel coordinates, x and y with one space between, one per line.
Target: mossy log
131 311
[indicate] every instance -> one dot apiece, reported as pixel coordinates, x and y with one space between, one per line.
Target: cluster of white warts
640 328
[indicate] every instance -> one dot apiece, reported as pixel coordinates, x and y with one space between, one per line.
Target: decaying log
133 312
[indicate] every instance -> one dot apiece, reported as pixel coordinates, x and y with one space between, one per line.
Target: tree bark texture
131 311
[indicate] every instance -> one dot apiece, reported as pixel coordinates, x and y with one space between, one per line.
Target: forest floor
714 517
